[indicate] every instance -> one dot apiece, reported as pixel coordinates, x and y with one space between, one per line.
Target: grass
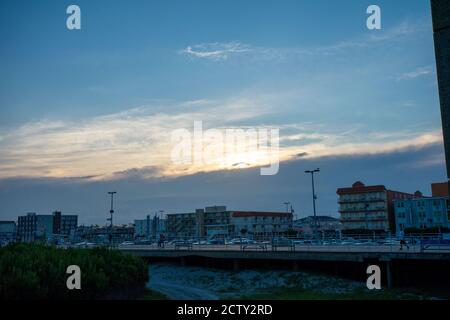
153 295
358 294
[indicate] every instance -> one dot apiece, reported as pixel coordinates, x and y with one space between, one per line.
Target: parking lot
296 246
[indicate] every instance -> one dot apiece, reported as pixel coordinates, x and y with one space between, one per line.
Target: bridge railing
354 243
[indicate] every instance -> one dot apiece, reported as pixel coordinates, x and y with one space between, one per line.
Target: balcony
356 210
361 201
363 220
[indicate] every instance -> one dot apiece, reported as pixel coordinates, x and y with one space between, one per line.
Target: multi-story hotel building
186 225
260 224
368 207
217 221
149 228
422 213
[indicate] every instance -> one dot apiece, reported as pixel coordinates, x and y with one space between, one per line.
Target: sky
83 112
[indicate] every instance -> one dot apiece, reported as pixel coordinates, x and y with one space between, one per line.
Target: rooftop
242 214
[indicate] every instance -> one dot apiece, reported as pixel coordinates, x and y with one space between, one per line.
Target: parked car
347 242
172 242
127 243
200 242
216 241
143 242
85 245
392 242
281 241
240 241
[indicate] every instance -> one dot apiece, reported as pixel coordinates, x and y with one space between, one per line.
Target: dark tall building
64 224
36 226
441 28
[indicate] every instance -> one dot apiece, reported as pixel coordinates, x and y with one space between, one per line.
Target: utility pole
314 196
111 211
287 206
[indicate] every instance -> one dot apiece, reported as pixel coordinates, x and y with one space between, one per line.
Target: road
177 291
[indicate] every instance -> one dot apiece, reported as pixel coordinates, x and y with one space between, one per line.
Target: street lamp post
111 211
287 206
314 196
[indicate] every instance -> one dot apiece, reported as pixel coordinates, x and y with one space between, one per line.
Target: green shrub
33 271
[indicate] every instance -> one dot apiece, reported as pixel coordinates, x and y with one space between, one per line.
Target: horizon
92 110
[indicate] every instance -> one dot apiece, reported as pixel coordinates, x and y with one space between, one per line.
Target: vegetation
153 295
34 271
358 294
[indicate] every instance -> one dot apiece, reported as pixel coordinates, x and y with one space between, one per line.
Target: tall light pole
111 211
314 195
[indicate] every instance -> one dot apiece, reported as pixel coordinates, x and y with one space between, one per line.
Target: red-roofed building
368 207
217 221
260 224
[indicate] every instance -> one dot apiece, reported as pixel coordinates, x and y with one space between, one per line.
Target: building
325 224
8 231
101 234
211 221
261 224
422 213
34 227
149 228
93 233
439 189
368 207
441 29
64 225
123 233
184 225
142 228
218 222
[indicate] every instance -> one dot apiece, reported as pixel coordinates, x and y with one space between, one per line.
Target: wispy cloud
139 137
222 51
114 145
216 51
419 72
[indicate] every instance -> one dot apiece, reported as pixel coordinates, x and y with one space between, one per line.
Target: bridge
399 267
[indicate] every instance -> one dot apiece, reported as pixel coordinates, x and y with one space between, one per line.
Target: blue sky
104 99
127 54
